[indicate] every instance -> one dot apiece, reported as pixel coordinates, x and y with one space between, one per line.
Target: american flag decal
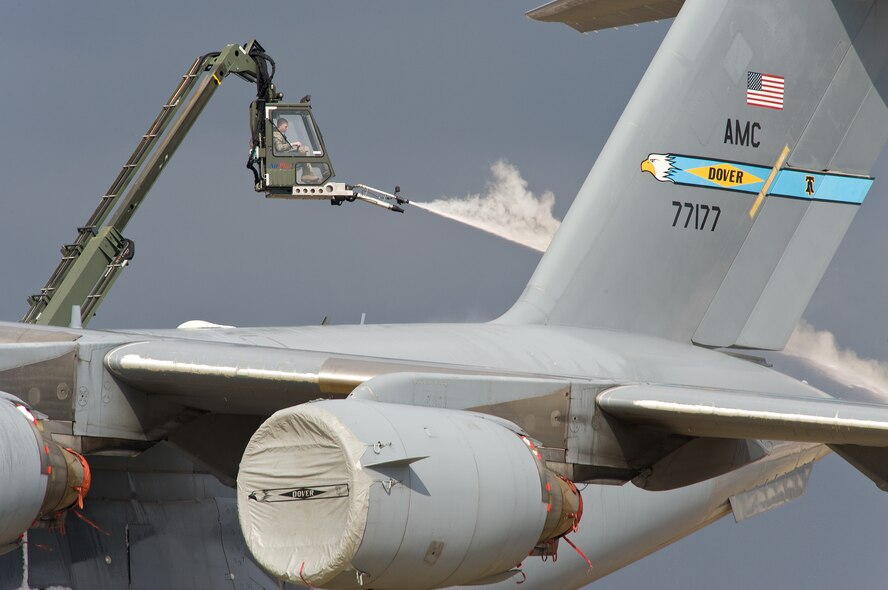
764 90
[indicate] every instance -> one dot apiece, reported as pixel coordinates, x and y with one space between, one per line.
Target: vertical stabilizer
730 179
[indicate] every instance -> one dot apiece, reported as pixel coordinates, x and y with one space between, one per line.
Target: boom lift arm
90 266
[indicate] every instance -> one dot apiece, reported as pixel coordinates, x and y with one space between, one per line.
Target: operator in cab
281 143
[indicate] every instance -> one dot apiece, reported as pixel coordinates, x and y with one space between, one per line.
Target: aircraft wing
731 414
254 380
234 379
853 423
231 378
593 15
444 455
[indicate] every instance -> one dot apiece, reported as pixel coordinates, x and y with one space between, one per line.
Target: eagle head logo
660 166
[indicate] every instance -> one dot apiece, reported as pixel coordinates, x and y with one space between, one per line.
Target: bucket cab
290 151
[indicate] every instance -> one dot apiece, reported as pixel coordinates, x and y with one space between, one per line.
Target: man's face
282 126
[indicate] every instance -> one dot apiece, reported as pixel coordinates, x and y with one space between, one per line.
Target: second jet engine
350 493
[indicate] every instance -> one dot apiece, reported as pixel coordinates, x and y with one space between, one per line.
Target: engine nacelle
350 493
40 479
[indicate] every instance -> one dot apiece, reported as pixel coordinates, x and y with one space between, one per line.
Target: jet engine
349 493
39 479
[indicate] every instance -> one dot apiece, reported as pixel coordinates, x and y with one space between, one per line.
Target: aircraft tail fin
725 188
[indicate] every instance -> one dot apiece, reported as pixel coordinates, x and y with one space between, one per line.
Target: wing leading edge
858 432
746 415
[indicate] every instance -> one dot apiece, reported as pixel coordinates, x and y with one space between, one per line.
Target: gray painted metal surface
530 351
789 289
592 356
613 307
594 15
164 497
745 415
622 260
630 523
151 522
750 272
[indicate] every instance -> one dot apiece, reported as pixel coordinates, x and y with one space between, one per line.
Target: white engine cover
21 471
340 494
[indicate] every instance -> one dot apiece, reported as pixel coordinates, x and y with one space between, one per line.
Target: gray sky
425 95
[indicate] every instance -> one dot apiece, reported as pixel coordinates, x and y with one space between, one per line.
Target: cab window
293 134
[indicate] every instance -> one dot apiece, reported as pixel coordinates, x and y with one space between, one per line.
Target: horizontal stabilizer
736 414
593 15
